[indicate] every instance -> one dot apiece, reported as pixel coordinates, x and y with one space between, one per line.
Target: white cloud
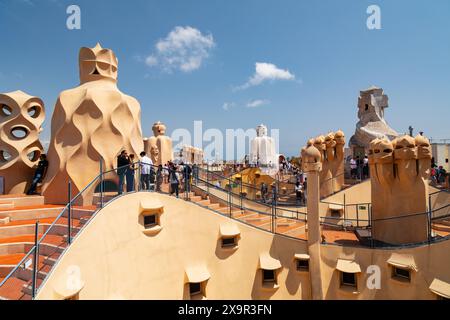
183 49
266 72
227 105
257 103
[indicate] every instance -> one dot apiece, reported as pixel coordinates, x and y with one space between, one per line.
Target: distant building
189 154
441 154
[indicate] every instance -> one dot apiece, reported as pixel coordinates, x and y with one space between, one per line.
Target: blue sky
322 52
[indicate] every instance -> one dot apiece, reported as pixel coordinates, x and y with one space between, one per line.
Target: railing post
357 215
429 219
230 199
345 211
101 182
241 194
139 173
69 214
35 260
207 178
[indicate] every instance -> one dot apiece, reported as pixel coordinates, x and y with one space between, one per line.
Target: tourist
159 178
39 174
298 193
130 173
173 180
187 171
359 165
146 170
165 172
441 174
264 191
123 163
353 166
366 167
433 175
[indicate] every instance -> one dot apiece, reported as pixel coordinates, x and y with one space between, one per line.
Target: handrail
18 265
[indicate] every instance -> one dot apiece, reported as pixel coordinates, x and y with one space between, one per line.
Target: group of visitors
126 169
151 179
359 168
438 174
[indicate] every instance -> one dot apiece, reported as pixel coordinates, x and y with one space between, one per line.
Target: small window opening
150 221
302 265
348 279
228 242
269 277
401 274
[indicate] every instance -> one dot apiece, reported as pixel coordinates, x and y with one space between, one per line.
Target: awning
151 206
229 230
266 262
336 207
440 288
402 261
197 274
301 256
348 266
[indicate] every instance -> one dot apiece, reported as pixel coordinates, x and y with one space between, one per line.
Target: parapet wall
128 264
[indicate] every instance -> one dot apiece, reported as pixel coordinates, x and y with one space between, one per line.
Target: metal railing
51 241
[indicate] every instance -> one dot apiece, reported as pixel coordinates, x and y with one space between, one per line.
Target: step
256 218
27 274
26 288
204 202
50 261
214 206
6 205
22 200
196 198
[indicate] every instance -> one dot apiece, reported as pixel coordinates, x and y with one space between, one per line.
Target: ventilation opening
302 265
19 132
229 242
34 111
34 155
269 277
335 213
366 107
348 279
195 289
150 221
95 71
401 274
4 156
5 110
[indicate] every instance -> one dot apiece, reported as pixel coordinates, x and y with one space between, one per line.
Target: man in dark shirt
123 163
39 174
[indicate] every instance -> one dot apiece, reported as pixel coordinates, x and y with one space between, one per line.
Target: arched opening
5 156
34 111
108 186
5 110
34 155
19 132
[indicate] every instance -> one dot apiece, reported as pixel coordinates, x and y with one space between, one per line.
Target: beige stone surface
91 122
331 148
372 103
21 118
399 179
118 266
